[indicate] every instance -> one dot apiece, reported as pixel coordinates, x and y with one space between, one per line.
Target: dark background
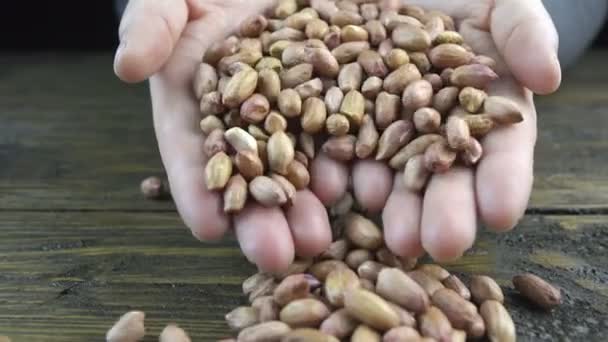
75 25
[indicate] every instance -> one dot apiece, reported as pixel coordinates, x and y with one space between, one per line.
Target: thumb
148 33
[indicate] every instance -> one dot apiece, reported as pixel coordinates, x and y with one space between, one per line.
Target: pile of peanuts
351 79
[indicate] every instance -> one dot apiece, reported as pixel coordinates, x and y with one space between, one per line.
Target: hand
521 37
165 41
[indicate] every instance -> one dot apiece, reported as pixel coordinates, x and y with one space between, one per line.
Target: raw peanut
292 287
369 270
240 140
289 103
310 88
333 100
502 110
337 250
385 256
433 323
265 37
367 285
241 318
363 333
367 139
337 283
211 123
321 269
414 11
285 8
472 99
446 99
296 75
244 59
411 38
461 313
396 135
220 49
397 287
267 192
129 327
448 37
255 45
353 33
332 38
438 157
537 291
394 20
458 133
276 49
372 63
307 144
265 288
485 288
369 106
235 194
328 83
405 318
454 283
434 80
387 109
255 281
253 26
377 32
316 29
434 26
416 175
173 333
211 104
249 164
288 188
370 309
446 76
434 271
314 115
337 124
449 56
417 94
293 54
300 20
306 312
297 266
308 334
341 148
205 80
269 84
385 47
349 51
416 146
397 80
428 120
459 335
396 58
323 62
271 331
240 87
301 157
357 257
362 232
473 75
286 33
499 324
369 11
401 334
298 175
339 324
421 61
275 122
371 87
342 18
350 77
222 82
479 125
255 108
154 188
428 283
348 5
353 107
485 60
218 171
267 308
326 9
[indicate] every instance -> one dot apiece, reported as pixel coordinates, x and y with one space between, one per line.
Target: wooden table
79 246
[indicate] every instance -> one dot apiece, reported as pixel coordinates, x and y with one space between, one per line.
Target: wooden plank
73 137
68 276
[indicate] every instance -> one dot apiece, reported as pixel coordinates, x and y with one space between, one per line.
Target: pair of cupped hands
163 41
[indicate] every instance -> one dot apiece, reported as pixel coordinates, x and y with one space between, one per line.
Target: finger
401 221
148 32
519 28
264 237
309 225
372 181
505 173
448 215
328 179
